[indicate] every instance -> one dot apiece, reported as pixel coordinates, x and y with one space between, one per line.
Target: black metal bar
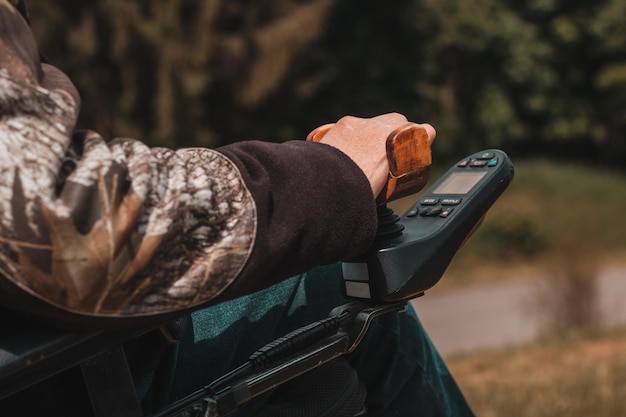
110 385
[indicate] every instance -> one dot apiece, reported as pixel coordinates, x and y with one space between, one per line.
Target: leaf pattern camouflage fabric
107 229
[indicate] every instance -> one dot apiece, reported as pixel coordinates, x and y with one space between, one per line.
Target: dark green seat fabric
397 362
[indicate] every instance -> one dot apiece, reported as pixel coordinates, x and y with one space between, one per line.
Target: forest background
535 77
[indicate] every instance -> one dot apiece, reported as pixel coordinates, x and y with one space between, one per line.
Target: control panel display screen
459 182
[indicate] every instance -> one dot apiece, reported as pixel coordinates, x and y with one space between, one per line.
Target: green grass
571 202
550 211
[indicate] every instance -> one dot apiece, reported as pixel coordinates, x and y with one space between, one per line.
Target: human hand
364 141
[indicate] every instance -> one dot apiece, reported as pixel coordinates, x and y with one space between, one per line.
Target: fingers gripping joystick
411 253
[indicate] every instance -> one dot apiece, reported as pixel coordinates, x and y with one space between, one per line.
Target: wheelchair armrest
31 352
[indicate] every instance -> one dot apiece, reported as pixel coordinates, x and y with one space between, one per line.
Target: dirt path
494 316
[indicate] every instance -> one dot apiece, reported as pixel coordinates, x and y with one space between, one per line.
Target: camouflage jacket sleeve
118 229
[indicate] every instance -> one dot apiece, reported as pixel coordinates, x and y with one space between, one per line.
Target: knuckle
347 121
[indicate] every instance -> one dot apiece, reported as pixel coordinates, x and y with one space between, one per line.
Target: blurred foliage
568 298
542 76
174 73
510 237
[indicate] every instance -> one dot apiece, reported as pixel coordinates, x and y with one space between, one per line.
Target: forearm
121 230
314 206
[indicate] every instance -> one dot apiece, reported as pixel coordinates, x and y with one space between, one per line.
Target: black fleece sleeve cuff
314 207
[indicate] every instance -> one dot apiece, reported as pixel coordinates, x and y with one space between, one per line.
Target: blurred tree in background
541 76
174 72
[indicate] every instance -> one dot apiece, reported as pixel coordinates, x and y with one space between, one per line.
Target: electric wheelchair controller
411 253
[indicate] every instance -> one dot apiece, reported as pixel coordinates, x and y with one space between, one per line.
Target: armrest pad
31 352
